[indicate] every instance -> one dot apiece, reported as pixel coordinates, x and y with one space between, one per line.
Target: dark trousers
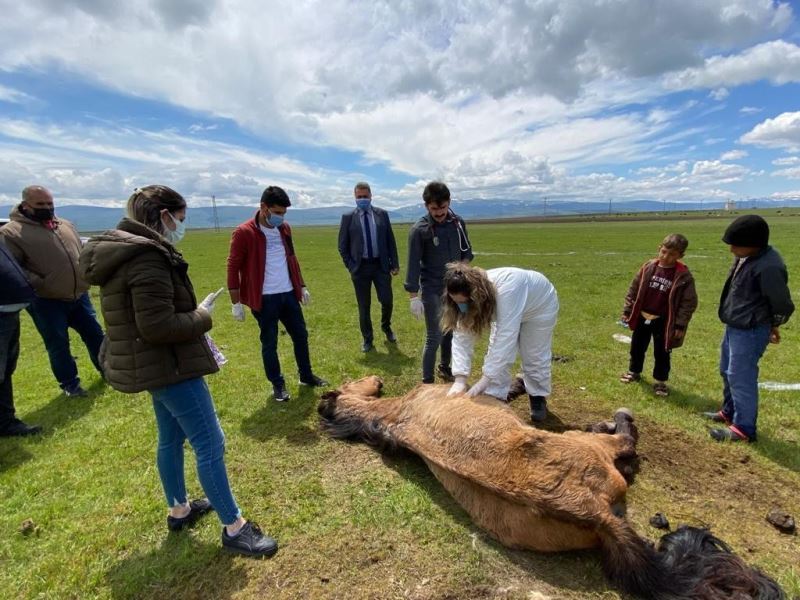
434 339
9 353
286 309
640 340
53 318
369 273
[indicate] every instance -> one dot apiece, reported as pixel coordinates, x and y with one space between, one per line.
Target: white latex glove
479 387
306 297
459 387
208 301
417 308
237 310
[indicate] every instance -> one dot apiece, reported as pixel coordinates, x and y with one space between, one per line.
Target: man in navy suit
368 249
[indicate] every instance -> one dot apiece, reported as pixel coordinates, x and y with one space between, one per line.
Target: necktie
368 233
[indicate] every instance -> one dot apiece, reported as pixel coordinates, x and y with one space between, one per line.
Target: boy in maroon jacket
659 304
264 275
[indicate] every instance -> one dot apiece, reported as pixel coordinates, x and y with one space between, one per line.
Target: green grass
350 522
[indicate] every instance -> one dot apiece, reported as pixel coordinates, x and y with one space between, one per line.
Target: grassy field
351 523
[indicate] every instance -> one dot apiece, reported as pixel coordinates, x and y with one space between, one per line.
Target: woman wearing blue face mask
156 342
520 308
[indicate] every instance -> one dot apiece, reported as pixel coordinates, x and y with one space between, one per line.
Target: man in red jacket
264 275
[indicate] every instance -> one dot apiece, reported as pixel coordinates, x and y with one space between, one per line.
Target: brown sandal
630 377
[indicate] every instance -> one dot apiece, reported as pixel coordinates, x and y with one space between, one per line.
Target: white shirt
521 296
276 271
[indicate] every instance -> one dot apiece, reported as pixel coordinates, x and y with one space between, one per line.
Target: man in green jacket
48 248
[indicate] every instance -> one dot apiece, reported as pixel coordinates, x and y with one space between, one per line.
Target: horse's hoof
625 411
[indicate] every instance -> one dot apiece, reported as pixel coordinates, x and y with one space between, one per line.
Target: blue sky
661 99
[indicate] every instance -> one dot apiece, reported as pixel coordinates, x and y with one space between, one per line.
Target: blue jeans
434 338
741 350
185 410
286 309
53 318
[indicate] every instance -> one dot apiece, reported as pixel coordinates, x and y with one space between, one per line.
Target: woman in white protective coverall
520 307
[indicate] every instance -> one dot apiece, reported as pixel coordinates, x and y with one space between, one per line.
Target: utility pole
609 206
214 208
544 209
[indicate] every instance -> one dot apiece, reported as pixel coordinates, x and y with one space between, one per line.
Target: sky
673 100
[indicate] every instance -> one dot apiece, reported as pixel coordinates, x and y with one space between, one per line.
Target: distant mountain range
98 218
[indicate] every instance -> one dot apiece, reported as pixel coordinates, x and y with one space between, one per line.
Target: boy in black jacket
755 301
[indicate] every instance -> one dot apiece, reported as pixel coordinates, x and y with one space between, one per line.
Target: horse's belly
513 525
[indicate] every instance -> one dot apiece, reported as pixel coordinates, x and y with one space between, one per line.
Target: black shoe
367 347
314 381
197 508
19 429
427 380
280 393
390 336
75 390
250 541
717 417
445 374
538 408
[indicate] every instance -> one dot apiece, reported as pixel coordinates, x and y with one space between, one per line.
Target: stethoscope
462 235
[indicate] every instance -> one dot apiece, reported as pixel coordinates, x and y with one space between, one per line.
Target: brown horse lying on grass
537 490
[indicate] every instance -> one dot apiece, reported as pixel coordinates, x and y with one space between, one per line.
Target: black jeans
640 340
286 309
369 274
434 338
9 353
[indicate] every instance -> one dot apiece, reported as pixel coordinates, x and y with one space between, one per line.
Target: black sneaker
717 417
280 393
19 429
538 408
250 541
445 373
75 390
390 336
314 381
197 508
367 347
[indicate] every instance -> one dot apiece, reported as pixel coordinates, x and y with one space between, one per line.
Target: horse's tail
689 563
344 423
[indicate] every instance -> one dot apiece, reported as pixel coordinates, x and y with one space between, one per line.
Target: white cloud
750 110
781 132
719 94
776 61
790 173
11 95
786 161
733 155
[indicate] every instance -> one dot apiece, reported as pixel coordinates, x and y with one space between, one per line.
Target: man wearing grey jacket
438 238
48 248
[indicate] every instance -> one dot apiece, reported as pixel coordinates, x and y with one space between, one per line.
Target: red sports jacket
248 257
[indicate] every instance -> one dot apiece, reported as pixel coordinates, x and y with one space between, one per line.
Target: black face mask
42 214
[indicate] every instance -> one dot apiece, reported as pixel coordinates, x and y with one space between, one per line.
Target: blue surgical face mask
463 307
363 203
275 220
173 237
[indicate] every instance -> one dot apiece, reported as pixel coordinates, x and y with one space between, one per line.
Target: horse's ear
330 395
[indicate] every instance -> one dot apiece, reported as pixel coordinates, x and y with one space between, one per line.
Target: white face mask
173 237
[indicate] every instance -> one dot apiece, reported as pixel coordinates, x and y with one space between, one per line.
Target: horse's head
370 385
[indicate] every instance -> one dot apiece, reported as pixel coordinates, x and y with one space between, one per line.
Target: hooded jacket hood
103 254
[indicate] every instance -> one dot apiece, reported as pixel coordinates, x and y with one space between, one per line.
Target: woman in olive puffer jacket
155 341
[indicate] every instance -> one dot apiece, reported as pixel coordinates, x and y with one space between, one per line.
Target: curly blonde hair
461 278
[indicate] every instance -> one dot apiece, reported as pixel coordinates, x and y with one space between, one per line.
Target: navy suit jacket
351 241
